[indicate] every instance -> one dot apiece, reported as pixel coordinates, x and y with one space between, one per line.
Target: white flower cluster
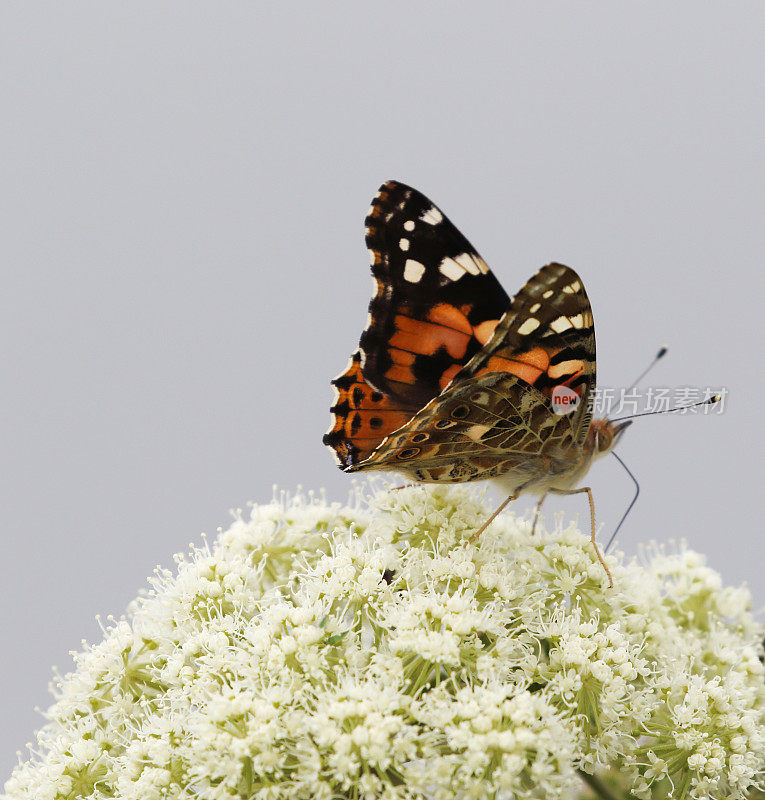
372 651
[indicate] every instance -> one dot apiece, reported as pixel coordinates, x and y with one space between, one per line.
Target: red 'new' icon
564 400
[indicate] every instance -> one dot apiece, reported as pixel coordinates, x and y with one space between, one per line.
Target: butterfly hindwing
436 302
491 425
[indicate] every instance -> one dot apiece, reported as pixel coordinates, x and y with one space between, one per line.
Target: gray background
183 266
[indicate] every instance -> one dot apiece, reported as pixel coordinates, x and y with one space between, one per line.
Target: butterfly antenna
715 398
662 352
629 507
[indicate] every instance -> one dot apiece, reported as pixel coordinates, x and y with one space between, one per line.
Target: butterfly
455 381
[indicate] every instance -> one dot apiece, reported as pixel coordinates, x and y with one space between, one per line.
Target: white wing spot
409 225
529 326
572 288
548 293
577 321
451 269
467 262
475 265
561 324
535 308
478 264
432 216
475 432
403 244
413 270
372 258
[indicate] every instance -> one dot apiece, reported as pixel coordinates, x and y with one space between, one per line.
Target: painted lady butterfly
453 381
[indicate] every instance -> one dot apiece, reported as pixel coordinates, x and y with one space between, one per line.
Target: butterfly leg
592 521
536 513
493 516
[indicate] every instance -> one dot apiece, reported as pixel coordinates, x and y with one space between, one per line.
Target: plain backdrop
183 267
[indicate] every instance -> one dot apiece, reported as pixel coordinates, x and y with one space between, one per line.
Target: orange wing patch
534 367
485 330
418 336
451 317
445 327
448 376
361 416
526 366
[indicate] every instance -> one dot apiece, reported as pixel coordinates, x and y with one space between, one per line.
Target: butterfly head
604 435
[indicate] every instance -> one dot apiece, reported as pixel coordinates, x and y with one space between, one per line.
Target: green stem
597 786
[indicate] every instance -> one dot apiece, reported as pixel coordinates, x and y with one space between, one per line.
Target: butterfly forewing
362 416
547 339
436 301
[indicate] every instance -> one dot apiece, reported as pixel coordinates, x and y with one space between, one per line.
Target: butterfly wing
362 417
442 331
497 417
483 427
547 339
436 302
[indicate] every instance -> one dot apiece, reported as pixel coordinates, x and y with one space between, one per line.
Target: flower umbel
372 651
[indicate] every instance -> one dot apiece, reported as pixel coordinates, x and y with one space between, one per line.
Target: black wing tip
556 266
392 192
389 202
555 271
392 183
